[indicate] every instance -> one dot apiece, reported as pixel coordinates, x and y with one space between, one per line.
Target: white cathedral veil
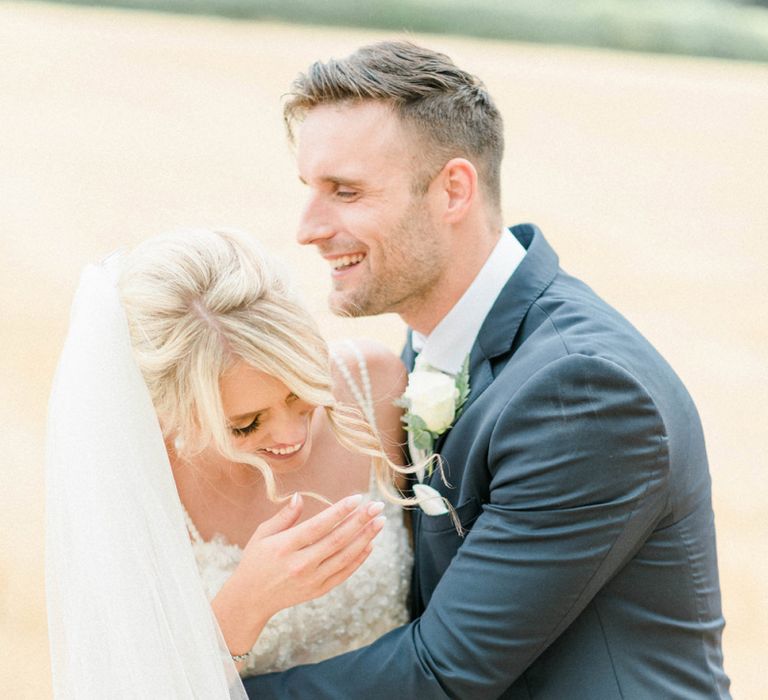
127 614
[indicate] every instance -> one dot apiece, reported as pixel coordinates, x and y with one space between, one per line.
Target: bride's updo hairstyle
197 302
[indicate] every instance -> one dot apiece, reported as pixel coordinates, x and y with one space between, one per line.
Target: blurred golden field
648 174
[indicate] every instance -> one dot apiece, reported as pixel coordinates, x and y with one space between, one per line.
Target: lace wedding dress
368 604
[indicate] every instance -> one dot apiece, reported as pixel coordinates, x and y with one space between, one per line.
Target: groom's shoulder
569 319
583 320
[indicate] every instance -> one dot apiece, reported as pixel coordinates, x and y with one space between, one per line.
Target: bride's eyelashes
248 429
254 424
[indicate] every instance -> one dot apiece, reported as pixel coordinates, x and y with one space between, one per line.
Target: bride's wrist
240 619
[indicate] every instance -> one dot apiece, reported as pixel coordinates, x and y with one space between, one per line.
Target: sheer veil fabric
128 617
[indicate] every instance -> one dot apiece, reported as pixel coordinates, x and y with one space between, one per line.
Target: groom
587 568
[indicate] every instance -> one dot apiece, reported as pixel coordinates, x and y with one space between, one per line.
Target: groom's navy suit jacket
588 566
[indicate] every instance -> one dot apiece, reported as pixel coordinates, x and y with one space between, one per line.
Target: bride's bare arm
284 564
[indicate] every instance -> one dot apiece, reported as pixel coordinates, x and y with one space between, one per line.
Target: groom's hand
284 564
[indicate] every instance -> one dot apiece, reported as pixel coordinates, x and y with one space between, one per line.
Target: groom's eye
346 194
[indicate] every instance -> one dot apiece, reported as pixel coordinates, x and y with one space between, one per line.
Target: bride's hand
283 564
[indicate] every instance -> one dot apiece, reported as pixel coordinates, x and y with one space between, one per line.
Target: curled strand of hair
454 517
355 433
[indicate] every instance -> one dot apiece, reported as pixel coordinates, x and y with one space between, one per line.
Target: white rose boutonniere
432 401
431 397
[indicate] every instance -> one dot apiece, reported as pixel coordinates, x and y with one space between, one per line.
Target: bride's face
266 418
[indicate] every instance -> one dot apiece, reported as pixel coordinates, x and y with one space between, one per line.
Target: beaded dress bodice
368 604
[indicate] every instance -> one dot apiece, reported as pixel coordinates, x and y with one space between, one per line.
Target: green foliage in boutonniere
462 384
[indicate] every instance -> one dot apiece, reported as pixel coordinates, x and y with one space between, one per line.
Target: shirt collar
449 343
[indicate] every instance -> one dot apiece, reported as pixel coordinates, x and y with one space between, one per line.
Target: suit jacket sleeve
578 466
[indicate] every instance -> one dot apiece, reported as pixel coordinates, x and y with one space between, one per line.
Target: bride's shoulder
386 371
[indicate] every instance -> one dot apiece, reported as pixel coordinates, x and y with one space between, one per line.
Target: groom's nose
315 224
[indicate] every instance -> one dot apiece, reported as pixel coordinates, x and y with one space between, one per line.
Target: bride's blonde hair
197 302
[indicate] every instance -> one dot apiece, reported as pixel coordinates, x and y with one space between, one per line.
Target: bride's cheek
244 443
250 444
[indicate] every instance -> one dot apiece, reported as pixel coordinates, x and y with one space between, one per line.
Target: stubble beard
413 264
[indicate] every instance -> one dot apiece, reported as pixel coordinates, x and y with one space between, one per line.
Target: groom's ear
458 180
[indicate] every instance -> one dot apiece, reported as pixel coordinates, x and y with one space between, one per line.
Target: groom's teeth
346 261
284 450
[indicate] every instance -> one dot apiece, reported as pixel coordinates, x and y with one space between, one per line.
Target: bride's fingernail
378 523
374 508
351 502
295 499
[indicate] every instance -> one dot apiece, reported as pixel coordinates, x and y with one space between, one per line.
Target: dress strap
364 396
193 532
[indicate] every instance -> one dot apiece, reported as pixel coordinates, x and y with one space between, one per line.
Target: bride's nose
291 425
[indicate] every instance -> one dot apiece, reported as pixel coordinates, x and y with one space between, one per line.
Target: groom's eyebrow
335 180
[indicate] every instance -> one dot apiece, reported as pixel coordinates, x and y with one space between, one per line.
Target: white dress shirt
447 346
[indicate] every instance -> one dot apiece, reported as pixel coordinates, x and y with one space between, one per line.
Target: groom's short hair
449 109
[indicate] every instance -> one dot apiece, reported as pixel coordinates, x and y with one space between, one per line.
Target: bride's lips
342 265
282 452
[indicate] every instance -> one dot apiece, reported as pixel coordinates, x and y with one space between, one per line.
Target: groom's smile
343 264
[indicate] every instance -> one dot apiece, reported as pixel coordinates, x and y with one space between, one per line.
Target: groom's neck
471 252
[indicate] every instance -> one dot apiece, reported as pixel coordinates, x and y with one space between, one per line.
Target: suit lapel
497 334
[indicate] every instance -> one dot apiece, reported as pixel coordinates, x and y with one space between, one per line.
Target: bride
193 397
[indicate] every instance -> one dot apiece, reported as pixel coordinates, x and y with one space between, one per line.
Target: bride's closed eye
247 429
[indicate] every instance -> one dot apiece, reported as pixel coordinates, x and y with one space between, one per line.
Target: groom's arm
578 467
